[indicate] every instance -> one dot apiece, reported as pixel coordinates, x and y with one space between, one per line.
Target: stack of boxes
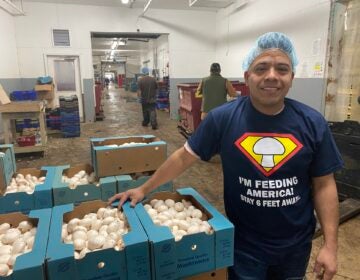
69 114
162 100
150 251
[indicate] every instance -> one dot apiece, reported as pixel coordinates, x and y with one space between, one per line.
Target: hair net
145 71
271 40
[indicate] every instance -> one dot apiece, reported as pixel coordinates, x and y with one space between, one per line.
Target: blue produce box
128 264
193 254
109 159
23 201
7 164
30 265
126 182
63 194
23 95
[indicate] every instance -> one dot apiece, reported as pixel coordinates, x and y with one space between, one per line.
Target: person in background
107 82
214 90
147 91
278 158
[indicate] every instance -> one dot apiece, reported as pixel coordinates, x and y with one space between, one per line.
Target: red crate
24 141
242 87
189 121
187 98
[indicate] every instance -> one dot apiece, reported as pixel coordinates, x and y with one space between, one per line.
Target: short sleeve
205 142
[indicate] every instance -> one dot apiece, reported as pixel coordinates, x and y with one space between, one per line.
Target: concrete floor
123 117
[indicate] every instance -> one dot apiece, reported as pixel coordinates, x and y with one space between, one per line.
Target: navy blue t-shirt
268 163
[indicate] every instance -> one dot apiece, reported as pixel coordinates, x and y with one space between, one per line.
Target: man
278 159
214 90
147 91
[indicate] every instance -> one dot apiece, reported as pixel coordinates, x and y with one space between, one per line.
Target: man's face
269 79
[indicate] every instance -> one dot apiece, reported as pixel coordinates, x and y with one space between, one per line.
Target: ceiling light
114 45
125 2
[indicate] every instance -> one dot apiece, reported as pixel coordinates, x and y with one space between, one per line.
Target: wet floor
123 118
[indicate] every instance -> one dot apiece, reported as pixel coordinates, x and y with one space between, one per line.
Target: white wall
8 55
189 41
305 22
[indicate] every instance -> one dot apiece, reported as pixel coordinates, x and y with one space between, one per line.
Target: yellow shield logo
268 151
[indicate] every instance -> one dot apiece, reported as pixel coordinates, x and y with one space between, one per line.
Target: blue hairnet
145 70
271 40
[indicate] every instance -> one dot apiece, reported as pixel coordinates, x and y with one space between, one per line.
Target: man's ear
246 77
292 78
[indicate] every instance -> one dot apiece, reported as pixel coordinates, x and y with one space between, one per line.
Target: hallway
123 118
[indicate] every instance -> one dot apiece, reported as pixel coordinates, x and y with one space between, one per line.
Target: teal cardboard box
63 194
126 182
30 265
193 254
146 153
22 201
7 163
130 263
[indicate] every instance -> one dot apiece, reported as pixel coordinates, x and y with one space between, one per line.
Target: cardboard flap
4 98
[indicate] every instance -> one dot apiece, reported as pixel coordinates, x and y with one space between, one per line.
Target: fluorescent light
114 45
125 2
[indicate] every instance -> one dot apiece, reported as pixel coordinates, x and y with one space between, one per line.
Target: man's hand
325 264
134 195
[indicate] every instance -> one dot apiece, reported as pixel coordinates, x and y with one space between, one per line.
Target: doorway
65 71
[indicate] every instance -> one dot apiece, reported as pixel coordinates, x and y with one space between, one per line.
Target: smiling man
278 159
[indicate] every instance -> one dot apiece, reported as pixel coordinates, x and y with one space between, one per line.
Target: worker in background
147 90
214 90
278 158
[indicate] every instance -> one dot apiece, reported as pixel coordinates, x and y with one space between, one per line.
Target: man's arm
230 89
327 209
176 164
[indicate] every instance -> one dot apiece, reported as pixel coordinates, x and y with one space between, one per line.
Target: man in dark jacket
147 90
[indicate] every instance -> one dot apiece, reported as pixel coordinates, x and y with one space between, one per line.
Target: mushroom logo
268 147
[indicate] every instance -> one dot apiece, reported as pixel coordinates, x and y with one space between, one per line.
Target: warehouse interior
86 57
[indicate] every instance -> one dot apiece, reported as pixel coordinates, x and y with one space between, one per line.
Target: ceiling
136 44
207 5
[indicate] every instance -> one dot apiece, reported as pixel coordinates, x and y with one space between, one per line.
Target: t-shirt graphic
268 151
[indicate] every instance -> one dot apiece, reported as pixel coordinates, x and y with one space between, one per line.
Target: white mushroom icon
268 147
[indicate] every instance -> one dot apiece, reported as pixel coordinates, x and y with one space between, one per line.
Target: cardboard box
103 190
4 98
220 274
7 165
47 95
112 161
31 265
41 198
45 87
193 254
131 263
126 182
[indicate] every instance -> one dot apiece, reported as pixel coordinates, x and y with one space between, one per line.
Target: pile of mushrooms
80 178
181 217
23 183
96 231
125 144
14 241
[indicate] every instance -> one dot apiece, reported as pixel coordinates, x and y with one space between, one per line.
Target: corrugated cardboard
195 253
4 98
148 155
47 87
32 264
220 274
41 198
131 263
103 190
